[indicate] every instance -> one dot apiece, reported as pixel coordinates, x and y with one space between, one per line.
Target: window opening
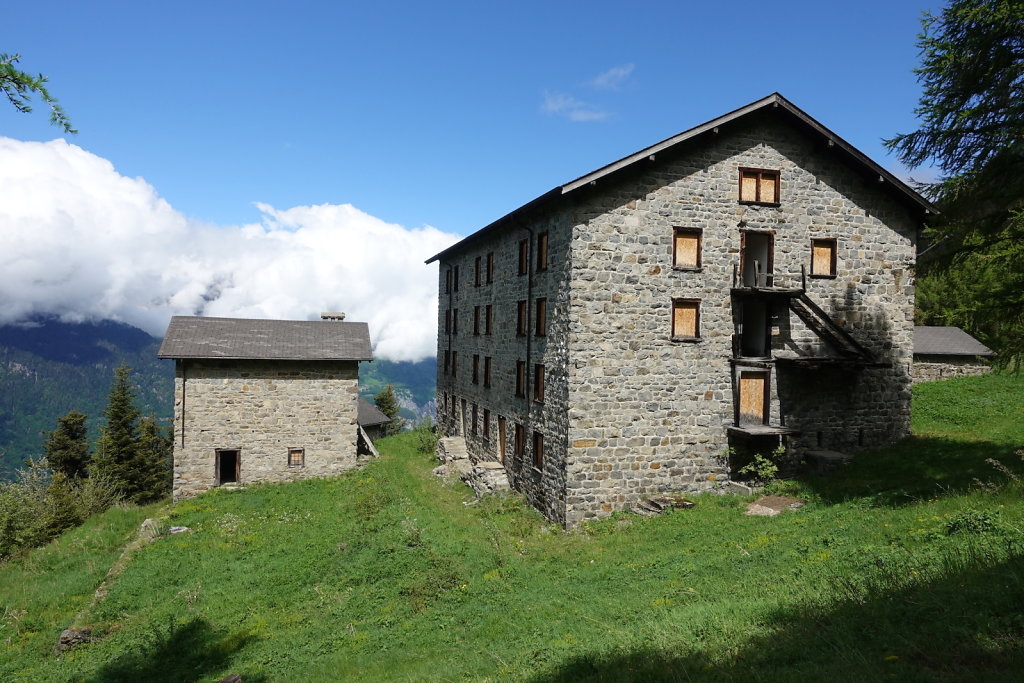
757 258
823 258
542 317
538 383
296 457
685 319
521 319
542 251
538 450
686 250
759 186
524 256
520 379
228 466
490 267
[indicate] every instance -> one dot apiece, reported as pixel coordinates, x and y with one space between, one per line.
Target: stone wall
263 409
934 368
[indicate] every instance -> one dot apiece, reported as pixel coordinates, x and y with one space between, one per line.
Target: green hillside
907 565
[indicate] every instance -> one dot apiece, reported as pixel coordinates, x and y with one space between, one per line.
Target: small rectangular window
476 321
473 426
448 321
476 368
296 457
455 362
542 317
759 186
521 319
685 319
823 258
487 424
456 278
488 319
520 379
686 248
538 451
490 267
542 251
455 321
477 272
538 383
447 360
448 281
524 256
519 443
487 372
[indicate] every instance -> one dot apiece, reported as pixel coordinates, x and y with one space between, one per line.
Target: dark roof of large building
240 338
370 415
775 104
947 341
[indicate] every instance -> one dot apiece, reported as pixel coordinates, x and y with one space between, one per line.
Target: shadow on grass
189 652
964 626
914 469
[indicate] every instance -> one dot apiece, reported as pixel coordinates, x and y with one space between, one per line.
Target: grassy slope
386 575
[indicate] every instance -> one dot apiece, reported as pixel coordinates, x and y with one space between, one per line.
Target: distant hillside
48 368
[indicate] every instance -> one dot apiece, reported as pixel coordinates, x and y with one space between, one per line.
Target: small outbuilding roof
370 415
241 338
947 341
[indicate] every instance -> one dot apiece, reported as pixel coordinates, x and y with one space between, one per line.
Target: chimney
337 315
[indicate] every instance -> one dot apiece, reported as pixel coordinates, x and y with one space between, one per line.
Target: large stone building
263 400
746 283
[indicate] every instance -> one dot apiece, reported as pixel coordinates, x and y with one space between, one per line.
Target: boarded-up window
455 363
520 379
823 257
448 281
455 321
490 267
538 450
753 392
296 457
473 425
487 371
476 368
448 322
521 318
487 424
476 320
759 186
488 319
519 443
477 272
456 278
685 319
501 438
542 317
538 383
524 256
686 250
447 361
542 251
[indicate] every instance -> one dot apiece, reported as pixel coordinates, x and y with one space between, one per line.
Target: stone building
263 400
744 284
948 352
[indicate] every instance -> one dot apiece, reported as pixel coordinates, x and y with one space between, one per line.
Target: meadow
908 564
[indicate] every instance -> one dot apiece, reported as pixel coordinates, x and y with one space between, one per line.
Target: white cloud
82 242
613 78
568 106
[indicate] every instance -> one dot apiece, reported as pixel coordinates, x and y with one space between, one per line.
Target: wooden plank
684 323
752 397
748 187
821 260
687 249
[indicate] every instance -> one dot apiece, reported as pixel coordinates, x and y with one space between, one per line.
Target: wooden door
501 439
753 398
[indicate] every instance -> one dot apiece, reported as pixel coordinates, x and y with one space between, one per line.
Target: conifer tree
117 452
155 448
67 446
387 402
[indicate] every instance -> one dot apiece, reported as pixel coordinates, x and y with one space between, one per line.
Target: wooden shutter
687 249
684 318
822 257
752 397
748 186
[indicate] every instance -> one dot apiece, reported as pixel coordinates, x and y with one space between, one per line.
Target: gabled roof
370 415
947 341
774 103
240 338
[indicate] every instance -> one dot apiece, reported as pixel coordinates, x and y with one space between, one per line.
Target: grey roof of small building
370 415
241 338
947 341
775 104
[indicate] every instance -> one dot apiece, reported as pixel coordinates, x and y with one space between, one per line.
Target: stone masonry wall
263 408
935 368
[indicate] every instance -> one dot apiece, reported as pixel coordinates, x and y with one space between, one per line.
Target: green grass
909 565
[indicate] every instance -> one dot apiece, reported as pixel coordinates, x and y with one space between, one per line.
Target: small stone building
263 400
371 419
745 284
948 352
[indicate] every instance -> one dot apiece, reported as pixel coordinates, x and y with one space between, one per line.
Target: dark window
538 450
538 383
448 281
447 361
455 321
519 445
685 319
759 186
473 427
455 362
229 466
487 371
524 256
448 322
542 251
456 276
520 379
476 320
823 258
296 457
686 248
521 318
542 317
477 272
487 424
488 319
490 267
476 368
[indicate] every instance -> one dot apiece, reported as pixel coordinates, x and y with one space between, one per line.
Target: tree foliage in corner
19 87
133 452
387 402
972 130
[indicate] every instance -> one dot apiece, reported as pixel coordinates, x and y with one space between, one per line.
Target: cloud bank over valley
82 242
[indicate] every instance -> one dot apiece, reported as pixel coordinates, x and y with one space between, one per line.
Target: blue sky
266 159
433 113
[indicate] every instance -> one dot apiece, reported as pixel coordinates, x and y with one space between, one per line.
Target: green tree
67 447
155 449
118 455
387 402
19 86
972 129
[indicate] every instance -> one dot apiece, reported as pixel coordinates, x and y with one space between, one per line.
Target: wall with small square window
823 257
685 319
759 186
686 248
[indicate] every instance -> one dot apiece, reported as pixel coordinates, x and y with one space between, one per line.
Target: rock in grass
71 638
